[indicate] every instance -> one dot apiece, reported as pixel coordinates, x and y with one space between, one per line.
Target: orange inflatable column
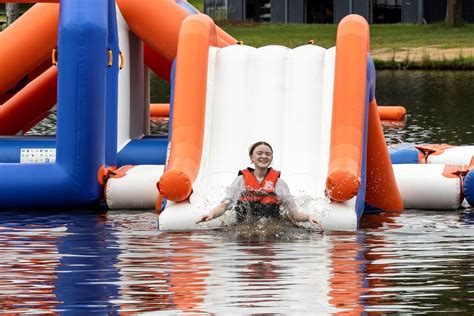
27 43
382 190
349 103
197 33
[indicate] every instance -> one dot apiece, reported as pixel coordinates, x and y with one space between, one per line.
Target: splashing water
317 206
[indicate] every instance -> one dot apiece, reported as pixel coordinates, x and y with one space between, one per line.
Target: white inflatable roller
133 187
428 186
461 156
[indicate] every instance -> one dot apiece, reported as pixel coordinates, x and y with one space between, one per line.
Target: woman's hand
298 216
217 211
205 218
313 220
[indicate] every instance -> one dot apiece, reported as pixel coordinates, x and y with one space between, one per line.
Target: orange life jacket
264 192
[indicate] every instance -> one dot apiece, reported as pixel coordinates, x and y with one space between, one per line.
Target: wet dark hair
252 148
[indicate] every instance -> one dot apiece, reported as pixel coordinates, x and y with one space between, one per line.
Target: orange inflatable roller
27 43
349 102
197 33
392 113
159 110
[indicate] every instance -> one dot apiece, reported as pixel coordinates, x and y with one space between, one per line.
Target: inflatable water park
90 60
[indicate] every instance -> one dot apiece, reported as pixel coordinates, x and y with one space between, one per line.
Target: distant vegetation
392 36
387 36
198 4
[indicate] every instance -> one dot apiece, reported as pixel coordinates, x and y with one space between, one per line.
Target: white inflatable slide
276 94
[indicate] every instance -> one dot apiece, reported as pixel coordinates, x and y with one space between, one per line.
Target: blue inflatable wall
369 95
468 187
83 82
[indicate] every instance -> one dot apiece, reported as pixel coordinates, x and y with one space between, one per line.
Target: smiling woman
259 192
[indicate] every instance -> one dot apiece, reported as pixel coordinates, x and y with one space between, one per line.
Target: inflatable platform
316 106
434 176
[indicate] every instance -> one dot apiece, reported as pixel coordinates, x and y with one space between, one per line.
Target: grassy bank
395 36
427 63
394 46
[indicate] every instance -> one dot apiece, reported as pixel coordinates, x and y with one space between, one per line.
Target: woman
259 192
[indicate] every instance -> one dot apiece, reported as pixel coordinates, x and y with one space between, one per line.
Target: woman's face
262 156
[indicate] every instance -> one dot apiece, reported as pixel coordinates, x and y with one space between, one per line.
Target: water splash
317 206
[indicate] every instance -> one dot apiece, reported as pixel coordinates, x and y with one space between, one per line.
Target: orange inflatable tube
381 187
27 43
197 33
349 101
25 80
17 115
392 112
157 63
159 110
145 16
45 28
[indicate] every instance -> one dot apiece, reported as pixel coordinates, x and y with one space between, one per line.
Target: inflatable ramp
312 104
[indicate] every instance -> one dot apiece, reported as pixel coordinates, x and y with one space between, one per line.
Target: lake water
119 263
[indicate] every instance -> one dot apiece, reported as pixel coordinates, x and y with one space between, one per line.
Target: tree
11 12
454 13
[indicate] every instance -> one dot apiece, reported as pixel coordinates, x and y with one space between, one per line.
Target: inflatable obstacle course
318 106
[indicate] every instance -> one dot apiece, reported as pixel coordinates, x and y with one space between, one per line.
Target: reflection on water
118 262
28 260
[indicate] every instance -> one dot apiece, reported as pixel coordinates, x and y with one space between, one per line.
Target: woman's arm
232 196
288 202
217 211
298 216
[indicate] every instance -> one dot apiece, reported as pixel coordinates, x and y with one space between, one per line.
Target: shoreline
424 58
424 47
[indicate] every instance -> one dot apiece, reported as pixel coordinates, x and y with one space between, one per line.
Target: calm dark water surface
440 105
119 263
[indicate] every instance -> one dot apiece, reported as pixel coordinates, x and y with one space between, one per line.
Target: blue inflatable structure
85 85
